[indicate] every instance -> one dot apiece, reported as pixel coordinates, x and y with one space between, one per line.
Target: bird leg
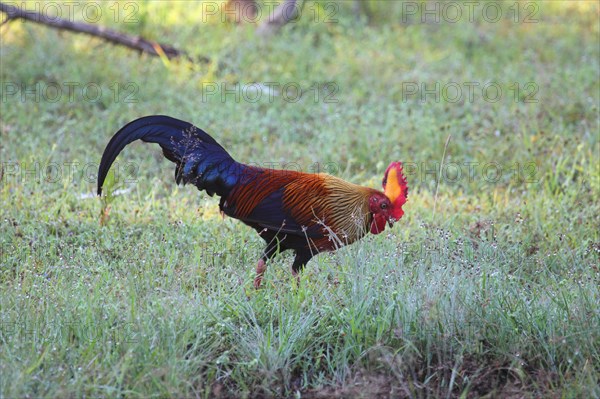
296 276
302 257
268 254
261 267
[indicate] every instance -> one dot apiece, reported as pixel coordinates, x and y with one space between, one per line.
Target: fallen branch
241 11
284 13
113 36
362 7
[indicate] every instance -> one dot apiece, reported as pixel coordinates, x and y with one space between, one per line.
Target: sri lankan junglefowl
304 212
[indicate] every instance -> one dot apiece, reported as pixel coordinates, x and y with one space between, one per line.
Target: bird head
386 207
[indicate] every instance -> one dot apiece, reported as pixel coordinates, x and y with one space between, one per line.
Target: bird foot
261 267
257 282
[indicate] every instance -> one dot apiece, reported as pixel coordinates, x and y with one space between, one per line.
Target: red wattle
378 224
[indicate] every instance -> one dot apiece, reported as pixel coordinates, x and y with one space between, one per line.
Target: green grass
495 294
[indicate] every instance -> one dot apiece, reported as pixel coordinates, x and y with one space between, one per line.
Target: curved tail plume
199 158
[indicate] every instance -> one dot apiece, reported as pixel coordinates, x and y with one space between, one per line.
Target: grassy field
489 285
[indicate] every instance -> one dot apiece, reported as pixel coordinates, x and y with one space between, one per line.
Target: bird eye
384 206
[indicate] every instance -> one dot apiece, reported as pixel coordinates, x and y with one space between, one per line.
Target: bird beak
391 222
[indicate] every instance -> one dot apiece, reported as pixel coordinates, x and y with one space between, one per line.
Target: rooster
304 212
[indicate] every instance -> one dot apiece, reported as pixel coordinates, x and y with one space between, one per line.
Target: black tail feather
199 158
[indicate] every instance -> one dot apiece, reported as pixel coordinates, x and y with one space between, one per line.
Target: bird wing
271 213
277 200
